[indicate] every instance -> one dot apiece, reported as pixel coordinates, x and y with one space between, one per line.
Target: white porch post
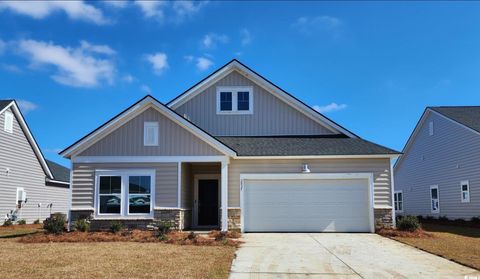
224 203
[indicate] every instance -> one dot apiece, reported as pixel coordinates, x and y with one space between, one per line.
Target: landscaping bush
81 225
443 219
55 224
408 223
7 223
162 228
22 222
116 226
36 222
475 220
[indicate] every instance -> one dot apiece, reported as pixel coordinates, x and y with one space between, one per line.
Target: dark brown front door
208 202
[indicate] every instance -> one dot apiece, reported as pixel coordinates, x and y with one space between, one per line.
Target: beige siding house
44 184
233 152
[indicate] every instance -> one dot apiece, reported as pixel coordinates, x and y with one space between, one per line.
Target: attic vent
430 128
186 116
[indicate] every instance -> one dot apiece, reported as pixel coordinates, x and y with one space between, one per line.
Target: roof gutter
366 156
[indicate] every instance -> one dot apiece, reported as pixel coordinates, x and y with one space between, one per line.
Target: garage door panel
306 205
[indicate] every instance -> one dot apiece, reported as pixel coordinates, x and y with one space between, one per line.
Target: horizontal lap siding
271 116
166 182
379 167
444 159
25 171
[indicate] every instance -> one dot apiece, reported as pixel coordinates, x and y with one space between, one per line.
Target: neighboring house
232 152
26 178
439 173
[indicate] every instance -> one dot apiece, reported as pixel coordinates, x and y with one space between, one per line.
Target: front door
207 202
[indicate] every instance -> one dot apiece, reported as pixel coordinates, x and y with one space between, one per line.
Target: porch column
224 202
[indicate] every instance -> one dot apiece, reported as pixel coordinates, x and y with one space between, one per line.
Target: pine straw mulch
419 233
173 237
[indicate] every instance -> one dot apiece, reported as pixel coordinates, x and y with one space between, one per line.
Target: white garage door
320 205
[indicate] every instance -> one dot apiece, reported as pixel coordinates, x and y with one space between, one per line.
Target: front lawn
113 260
19 230
460 244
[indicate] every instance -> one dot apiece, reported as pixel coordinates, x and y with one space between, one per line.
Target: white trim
179 184
150 125
386 156
82 209
392 189
438 199
147 159
235 65
234 207
196 178
143 105
70 196
398 202
464 182
57 181
382 206
234 91
309 176
8 126
169 208
224 193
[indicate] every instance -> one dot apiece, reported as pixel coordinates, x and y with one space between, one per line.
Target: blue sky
371 66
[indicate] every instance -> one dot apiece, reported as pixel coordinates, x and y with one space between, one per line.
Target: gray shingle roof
4 103
59 172
303 145
465 115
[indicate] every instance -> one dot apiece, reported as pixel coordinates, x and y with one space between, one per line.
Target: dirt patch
419 233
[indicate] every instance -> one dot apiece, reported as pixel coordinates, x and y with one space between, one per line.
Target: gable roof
262 82
60 173
132 111
468 116
304 146
4 105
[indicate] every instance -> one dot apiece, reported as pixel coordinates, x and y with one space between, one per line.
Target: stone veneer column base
234 219
383 218
181 217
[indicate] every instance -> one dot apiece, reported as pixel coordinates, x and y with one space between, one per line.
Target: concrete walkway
335 255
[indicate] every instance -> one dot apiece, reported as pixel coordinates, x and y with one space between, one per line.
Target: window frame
396 202
234 90
464 182
431 128
432 199
124 184
8 128
150 124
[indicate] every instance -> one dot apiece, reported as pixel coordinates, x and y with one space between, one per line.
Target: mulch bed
173 237
420 233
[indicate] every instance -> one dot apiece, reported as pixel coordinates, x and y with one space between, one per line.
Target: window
8 125
435 199
225 101
398 201
21 196
465 190
150 133
124 193
430 128
235 100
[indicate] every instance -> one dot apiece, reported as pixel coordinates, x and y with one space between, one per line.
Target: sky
372 67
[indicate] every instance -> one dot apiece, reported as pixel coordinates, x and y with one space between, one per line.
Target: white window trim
124 208
430 128
235 90
8 126
17 196
464 182
438 199
150 125
397 202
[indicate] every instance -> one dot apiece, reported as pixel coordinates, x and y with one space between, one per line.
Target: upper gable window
430 128
8 125
150 133
235 100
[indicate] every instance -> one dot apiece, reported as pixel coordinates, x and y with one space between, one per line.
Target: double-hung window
150 133
234 100
125 193
434 199
465 190
398 201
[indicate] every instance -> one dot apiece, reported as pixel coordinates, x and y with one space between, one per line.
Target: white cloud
3 46
203 63
152 9
188 58
324 23
146 89
26 106
101 49
78 67
77 10
128 78
330 107
119 4
185 9
245 37
211 40
10 68
173 11
53 150
159 62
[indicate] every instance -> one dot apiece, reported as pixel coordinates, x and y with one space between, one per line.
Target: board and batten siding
379 167
446 158
271 116
127 140
26 171
83 188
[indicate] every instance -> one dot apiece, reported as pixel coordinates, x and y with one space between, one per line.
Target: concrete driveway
336 255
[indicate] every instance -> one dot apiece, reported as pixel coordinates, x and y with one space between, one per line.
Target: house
438 175
234 151
30 186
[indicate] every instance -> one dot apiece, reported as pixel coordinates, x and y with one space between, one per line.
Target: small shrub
7 223
116 226
81 225
55 224
36 222
22 222
475 220
443 219
408 223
